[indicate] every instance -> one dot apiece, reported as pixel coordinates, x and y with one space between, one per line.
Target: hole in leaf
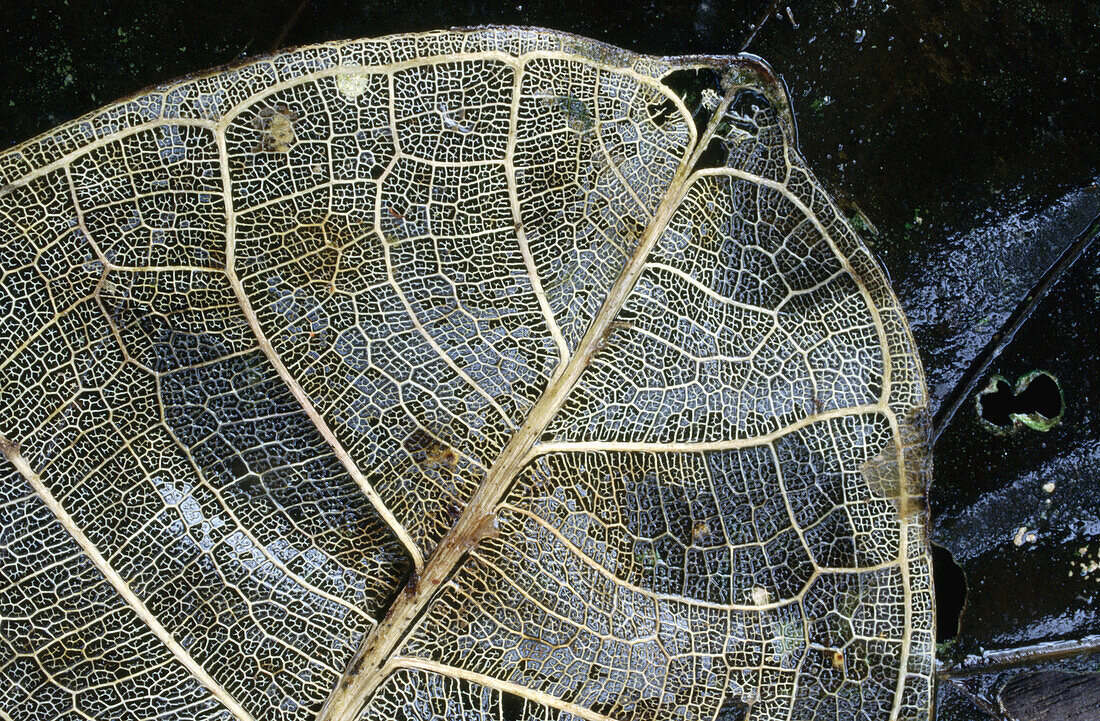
715 156
950 593
238 466
738 125
742 117
732 710
1036 402
694 86
511 706
659 113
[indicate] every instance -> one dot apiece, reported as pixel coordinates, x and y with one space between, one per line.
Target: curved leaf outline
493 373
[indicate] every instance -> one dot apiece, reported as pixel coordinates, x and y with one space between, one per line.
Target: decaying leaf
483 374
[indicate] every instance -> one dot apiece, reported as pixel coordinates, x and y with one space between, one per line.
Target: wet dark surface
1021 512
962 136
1030 697
950 593
1064 689
954 704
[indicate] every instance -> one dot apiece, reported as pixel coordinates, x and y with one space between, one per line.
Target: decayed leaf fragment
487 374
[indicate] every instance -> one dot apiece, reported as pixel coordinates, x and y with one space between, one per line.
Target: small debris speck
1018 539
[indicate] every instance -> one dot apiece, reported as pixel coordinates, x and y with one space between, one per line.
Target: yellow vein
120 585
701 446
521 232
364 672
887 358
295 388
540 697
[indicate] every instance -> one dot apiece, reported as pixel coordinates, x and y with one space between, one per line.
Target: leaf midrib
369 666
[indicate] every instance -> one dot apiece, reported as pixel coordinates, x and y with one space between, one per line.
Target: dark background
963 138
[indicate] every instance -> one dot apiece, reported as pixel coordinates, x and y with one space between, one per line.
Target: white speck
710 99
1018 539
352 85
760 596
860 34
451 123
1048 487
